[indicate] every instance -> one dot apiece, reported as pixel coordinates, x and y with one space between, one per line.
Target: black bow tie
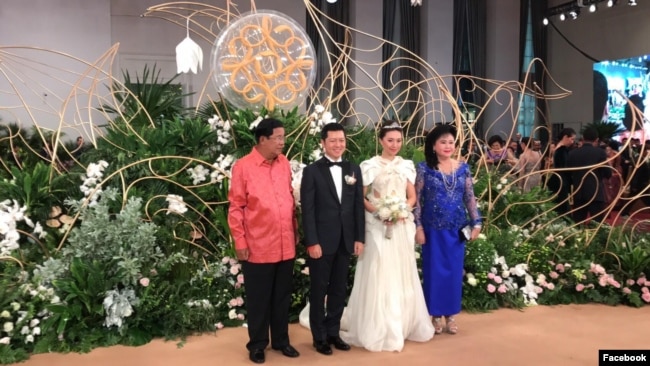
334 163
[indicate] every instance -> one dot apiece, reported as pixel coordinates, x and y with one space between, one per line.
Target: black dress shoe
257 355
338 343
288 351
323 347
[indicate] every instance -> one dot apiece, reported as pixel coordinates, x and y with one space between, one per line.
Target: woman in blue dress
445 204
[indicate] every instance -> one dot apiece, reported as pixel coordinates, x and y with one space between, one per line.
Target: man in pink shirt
263 225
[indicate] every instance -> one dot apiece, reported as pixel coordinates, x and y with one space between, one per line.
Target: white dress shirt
337 175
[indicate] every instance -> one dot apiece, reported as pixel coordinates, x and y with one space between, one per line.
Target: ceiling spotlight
331 1
573 13
593 8
610 3
562 17
631 2
545 21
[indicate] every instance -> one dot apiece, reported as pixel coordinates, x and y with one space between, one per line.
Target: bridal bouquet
390 209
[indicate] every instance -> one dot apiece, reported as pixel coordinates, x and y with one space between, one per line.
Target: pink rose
240 316
645 290
491 288
239 300
602 281
225 260
219 325
502 289
144 281
647 283
580 287
641 281
626 290
240 278
490 275
646 297
498 279
234 269
550 286
232 303
559 267
554 275
538 290
630 282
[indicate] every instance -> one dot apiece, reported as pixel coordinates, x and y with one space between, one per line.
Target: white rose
34 323
5 314
8 327
499 186
232 314
384 213
504 181
472 281
5 340
36 331
29 338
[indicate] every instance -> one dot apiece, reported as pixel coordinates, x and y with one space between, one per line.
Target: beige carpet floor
542 335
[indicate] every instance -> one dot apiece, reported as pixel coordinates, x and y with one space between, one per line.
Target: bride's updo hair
389 125
434 135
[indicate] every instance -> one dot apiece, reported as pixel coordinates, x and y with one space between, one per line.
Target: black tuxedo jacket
588 182
325 220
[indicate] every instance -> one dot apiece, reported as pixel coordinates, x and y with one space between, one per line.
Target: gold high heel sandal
437 324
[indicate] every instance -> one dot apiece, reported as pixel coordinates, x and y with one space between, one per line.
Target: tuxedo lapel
325 171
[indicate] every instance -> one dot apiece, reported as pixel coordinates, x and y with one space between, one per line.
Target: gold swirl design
271 74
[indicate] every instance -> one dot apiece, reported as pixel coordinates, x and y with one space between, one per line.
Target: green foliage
606 129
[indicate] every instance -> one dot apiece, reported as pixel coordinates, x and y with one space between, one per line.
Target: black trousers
596 210
268 289
329 276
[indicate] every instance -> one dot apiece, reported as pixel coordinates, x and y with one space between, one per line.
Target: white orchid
189 55
198 174
176 204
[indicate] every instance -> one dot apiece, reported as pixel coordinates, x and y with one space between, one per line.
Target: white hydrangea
296 178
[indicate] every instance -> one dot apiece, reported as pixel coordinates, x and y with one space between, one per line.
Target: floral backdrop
124 238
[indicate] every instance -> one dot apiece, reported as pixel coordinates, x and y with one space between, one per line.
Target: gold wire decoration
80 111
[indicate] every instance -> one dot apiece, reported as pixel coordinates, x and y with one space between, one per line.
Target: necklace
451 183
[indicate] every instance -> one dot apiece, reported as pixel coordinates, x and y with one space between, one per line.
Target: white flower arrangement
319 118
222 128
296 179
91 187
10 214
390 209
222 167
176 204
198 174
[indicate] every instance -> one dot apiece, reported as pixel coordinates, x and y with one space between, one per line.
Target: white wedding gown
386 305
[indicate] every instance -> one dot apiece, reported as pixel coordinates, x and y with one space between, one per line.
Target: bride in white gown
387 305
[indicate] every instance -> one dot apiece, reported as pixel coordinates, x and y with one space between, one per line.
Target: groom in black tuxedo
331 195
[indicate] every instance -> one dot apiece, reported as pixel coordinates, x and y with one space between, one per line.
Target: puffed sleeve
407 168
369 171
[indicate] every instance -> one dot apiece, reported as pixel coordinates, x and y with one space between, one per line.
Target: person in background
445 205
590 166
560 181
262 222
528 166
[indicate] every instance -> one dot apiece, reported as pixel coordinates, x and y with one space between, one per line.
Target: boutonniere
350 179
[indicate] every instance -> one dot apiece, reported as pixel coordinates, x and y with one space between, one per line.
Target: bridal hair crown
392 126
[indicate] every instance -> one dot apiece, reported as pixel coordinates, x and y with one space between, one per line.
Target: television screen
616 82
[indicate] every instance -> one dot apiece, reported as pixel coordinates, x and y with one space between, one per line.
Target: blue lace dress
446 203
